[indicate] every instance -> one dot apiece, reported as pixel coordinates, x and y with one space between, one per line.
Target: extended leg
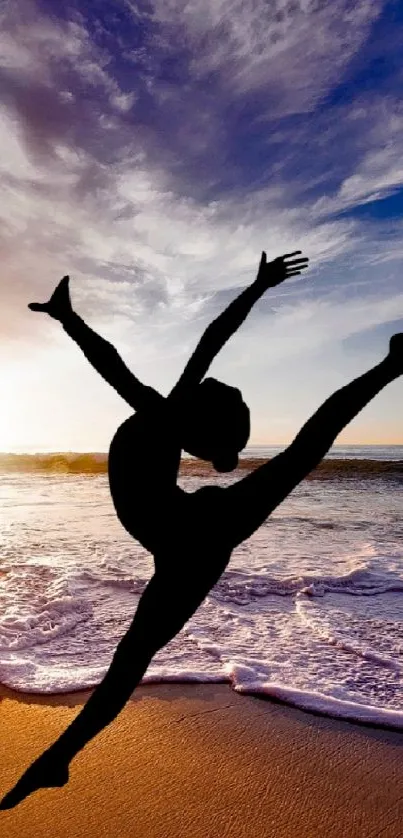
250 501
160 615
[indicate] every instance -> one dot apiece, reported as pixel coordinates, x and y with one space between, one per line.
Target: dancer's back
185 531
143 472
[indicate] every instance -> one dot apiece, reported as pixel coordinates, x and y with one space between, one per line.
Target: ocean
309 611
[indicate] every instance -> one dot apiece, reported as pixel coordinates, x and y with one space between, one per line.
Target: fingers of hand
63 284
262 261
303 262
295 268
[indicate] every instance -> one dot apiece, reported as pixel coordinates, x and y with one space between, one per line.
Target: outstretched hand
274 273
59 305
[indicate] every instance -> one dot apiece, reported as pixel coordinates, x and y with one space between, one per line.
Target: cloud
154 152
379 171
294 51
297 329
85 193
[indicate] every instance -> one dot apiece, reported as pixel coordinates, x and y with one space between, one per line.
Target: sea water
310 609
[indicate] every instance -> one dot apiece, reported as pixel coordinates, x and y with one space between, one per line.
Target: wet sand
204 762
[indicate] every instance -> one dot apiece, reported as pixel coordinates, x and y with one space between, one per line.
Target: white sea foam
310 610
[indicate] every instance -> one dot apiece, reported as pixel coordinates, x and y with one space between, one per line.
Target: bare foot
396 350
45 772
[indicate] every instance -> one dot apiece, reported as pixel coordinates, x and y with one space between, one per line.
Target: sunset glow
152 153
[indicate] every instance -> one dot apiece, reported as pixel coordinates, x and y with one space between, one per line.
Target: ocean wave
245 588
97 463
316 702
331 644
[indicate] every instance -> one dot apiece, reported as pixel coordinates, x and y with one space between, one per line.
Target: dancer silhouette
192 535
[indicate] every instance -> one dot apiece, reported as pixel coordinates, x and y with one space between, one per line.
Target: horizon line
251 445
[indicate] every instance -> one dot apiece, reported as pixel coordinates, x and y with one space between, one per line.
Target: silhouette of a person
191 535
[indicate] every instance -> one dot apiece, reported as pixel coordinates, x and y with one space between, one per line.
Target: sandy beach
203 761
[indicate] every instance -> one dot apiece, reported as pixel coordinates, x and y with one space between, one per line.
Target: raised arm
100 353
220 330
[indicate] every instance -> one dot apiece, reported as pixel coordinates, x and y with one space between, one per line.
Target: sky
152 151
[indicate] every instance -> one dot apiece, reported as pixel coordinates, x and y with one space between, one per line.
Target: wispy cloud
294 51
379 170
152 154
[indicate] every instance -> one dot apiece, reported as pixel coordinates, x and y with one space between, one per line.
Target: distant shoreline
92 464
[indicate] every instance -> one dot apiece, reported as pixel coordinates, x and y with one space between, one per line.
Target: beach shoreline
201 760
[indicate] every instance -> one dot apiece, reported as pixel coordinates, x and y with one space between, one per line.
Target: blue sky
152 150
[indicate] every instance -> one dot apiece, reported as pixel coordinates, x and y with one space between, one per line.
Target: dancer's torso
174 525
143 461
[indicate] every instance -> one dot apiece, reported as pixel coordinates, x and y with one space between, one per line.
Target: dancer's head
217 424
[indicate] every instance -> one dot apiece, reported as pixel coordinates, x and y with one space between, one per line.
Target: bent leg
250 501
